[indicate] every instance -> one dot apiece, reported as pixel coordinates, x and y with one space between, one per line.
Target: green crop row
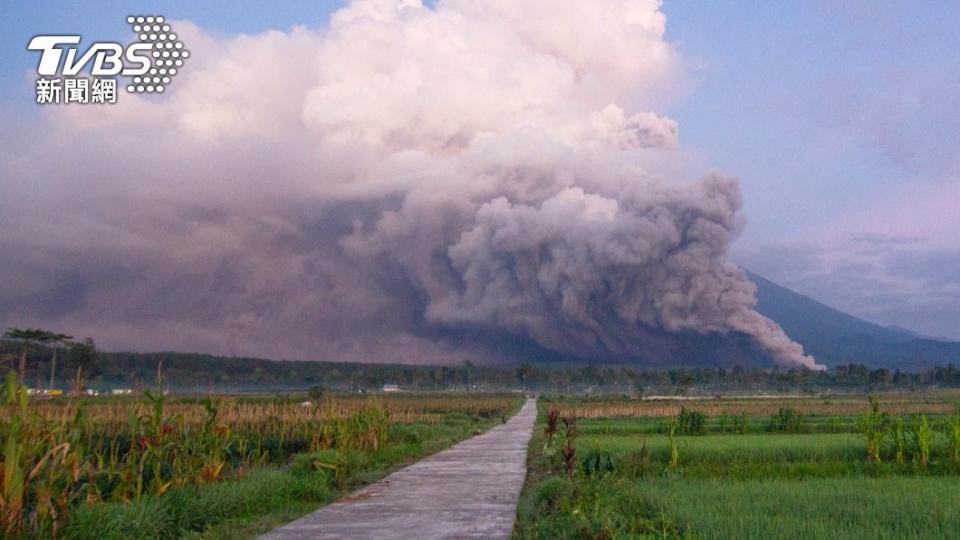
885 476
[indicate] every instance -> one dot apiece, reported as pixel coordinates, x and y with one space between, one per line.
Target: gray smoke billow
584 273
368 190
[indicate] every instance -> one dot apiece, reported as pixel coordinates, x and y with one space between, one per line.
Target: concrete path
467 491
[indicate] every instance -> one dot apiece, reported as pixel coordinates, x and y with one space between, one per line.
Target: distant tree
882 376
683 382
522 372
316 393
27 337
83 355
356 378
590 375
468 367
159 377
333 378
54 341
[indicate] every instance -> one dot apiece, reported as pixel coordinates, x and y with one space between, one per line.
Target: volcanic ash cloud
368 189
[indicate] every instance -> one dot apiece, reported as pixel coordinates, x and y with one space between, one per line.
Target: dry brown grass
239 413
894 404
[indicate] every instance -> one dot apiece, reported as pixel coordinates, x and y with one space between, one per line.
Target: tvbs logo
107 57
151 62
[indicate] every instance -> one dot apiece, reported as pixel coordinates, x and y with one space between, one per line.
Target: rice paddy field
844 467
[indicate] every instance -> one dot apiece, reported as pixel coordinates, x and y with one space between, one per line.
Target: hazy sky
841 120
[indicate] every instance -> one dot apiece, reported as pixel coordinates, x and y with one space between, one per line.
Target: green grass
740 449
851 508
265 498
761 485
254 525
194 508
823 508
756 456
812 423
590 509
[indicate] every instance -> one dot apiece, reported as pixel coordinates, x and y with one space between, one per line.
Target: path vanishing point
467 491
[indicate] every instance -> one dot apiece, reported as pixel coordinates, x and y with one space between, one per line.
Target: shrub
874 425
405 434
725 422
551 428
637 462
787 420
597 463
690 422
334 465
549 494
740 424
595 509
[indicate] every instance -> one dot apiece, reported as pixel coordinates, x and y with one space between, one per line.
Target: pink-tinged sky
369 188
842 121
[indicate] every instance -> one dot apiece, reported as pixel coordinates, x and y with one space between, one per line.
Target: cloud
881 241
907 281
398 186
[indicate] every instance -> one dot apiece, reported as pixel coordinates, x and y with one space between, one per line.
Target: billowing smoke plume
408 183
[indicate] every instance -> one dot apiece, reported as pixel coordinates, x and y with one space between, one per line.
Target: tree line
81 356
47 359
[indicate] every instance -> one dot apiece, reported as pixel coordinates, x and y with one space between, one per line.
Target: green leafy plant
597 463
953 433
550 429
898 437
787 420
690 422
740 424
873 425
923 439
672 429
725 422
568 454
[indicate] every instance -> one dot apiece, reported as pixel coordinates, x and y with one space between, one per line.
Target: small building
390 388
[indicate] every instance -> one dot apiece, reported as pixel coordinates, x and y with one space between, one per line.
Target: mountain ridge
835 337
